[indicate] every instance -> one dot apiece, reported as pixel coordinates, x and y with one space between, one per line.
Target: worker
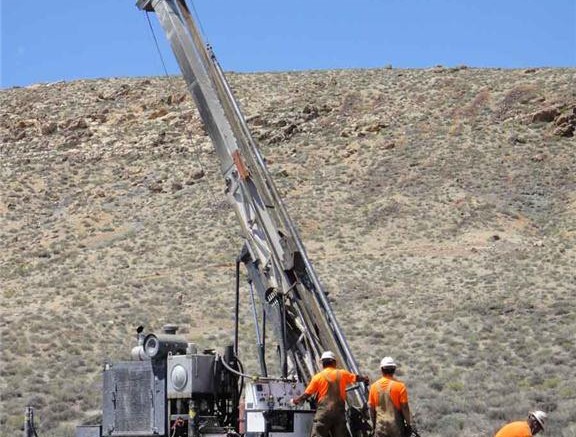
329 387
388 400
525 428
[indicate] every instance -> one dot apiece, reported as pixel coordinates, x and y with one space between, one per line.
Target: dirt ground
438 207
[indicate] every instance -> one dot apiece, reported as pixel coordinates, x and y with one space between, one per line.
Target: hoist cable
173 88
212 208
157 45
198 21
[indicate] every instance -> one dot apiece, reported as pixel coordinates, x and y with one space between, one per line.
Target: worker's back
515 429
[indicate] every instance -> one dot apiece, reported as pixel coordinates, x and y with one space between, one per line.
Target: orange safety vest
320 382
515 429
398 392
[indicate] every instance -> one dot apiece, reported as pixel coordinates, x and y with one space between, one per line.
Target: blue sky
47 41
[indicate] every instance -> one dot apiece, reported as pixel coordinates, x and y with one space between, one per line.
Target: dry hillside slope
438 206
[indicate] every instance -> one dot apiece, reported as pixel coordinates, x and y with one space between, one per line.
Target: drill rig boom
274 255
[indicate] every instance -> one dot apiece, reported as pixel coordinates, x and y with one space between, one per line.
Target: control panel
269 409
272 395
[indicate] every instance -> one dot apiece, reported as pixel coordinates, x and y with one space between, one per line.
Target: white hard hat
387 362
328 355
540 417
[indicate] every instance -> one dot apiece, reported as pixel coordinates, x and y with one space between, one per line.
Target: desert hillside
438 206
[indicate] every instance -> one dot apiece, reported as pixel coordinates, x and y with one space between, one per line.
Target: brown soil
438 206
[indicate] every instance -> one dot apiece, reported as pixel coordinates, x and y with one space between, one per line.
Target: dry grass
441 220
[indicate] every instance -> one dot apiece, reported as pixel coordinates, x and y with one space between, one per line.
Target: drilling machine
171 389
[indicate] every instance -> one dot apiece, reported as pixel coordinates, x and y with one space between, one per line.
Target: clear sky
52 40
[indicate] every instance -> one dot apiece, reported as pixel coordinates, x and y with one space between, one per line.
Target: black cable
241 366
198 21
195 147
32 426
157 45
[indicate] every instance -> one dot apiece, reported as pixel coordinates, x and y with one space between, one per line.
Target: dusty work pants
388 429
329 423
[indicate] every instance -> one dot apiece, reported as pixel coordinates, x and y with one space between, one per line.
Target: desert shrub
37 401
452 425
62 430
58 412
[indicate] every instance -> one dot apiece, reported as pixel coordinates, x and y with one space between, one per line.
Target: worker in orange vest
329 387
525 428
388 400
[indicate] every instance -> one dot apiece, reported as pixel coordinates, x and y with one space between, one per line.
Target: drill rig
169 388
